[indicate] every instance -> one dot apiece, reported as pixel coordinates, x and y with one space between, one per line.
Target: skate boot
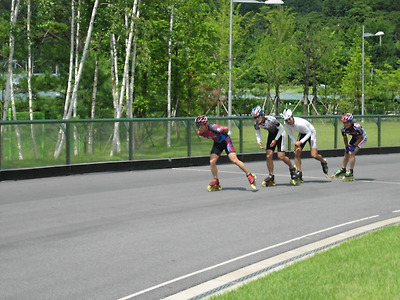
269 181
324 166
293 176
348 176
252 180
297 179
339 173
214 185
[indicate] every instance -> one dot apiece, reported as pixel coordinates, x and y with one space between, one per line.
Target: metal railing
39 143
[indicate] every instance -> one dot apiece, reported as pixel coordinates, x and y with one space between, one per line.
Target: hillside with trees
135 58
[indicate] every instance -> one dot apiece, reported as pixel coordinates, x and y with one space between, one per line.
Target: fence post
189 138
1 147
130 146
241 135
335 125
379 131
68 143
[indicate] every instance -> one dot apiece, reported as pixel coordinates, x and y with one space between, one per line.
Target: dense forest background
139 58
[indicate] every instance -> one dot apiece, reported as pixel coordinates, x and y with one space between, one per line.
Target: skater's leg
297 158
270 163
213 164
353 158
316 155
346 158
282 156
234 159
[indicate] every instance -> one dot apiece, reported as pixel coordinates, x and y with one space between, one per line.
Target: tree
318 46
10 78
276 54
70 105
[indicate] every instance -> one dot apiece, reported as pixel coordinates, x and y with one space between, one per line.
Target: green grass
367 267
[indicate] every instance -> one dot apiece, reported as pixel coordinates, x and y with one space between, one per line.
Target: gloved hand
350 148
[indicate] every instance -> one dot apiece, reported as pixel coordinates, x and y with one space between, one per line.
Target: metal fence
39 143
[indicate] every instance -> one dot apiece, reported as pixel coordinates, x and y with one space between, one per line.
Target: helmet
256 112
347 118
286 114
201 120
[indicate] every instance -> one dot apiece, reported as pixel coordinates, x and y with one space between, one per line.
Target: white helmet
286 114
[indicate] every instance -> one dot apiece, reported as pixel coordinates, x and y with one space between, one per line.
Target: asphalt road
150 234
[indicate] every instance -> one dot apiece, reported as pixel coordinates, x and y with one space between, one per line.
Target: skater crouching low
222 142
276 139
358 139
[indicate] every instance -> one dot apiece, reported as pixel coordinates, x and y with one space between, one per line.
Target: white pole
171 24
230 67
362 74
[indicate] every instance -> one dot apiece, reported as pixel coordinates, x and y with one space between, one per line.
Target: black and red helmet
201 120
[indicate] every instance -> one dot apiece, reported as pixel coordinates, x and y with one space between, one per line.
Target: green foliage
313 44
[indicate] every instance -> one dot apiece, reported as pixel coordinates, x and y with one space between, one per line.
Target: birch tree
61 134
30 71
74 95
10 83
118 102
94 96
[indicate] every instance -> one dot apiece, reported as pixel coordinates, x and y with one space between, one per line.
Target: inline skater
358 139
222 141
307 133
276 138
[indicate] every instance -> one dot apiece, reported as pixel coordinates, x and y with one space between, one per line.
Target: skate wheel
264 184
347 178
293 182
253 186
214 188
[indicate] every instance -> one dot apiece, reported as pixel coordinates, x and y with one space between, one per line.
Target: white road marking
241 257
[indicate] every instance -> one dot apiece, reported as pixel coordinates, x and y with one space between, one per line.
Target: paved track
151 234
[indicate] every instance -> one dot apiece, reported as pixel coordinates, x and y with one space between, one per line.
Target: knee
213 161
281 155
235 160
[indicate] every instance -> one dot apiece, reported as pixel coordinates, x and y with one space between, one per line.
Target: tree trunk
74 95
30 71
125 79
75 102
306 86
277 99
171 24
61 134
10 86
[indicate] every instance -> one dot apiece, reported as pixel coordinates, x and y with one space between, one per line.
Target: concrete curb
252 272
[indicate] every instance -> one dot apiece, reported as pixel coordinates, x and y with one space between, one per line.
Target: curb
252 272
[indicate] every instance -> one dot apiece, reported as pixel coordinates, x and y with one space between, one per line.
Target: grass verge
367 267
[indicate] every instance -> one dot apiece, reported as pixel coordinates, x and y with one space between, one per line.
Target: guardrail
51 143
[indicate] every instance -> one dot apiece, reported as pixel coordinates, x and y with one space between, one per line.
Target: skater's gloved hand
350 148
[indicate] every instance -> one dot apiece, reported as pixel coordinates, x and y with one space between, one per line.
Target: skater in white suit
307 133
